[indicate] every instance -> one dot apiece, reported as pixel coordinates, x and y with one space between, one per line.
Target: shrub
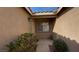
26 42
60 45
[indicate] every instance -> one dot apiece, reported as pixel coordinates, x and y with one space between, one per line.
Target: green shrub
60 46
26 42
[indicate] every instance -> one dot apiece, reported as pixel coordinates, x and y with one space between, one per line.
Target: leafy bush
26 42
60 45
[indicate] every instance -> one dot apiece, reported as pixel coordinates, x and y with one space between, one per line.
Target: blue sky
41 9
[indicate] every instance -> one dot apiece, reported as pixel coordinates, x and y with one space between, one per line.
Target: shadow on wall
64 10
72 44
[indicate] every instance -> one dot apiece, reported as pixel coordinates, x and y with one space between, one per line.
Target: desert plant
60 45
26 42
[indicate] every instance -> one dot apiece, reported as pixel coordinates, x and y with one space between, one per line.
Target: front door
43 29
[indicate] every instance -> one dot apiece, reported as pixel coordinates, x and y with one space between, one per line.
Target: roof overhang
45 16
39 14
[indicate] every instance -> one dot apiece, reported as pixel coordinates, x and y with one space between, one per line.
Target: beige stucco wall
32 22
68 25
13 22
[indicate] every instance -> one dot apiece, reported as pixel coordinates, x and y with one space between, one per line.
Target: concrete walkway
43 45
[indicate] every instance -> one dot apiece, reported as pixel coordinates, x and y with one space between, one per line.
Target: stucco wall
13 22
68 25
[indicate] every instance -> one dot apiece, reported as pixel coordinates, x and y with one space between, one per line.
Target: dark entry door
44 28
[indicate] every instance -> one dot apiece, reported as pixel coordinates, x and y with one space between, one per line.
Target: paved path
43 45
